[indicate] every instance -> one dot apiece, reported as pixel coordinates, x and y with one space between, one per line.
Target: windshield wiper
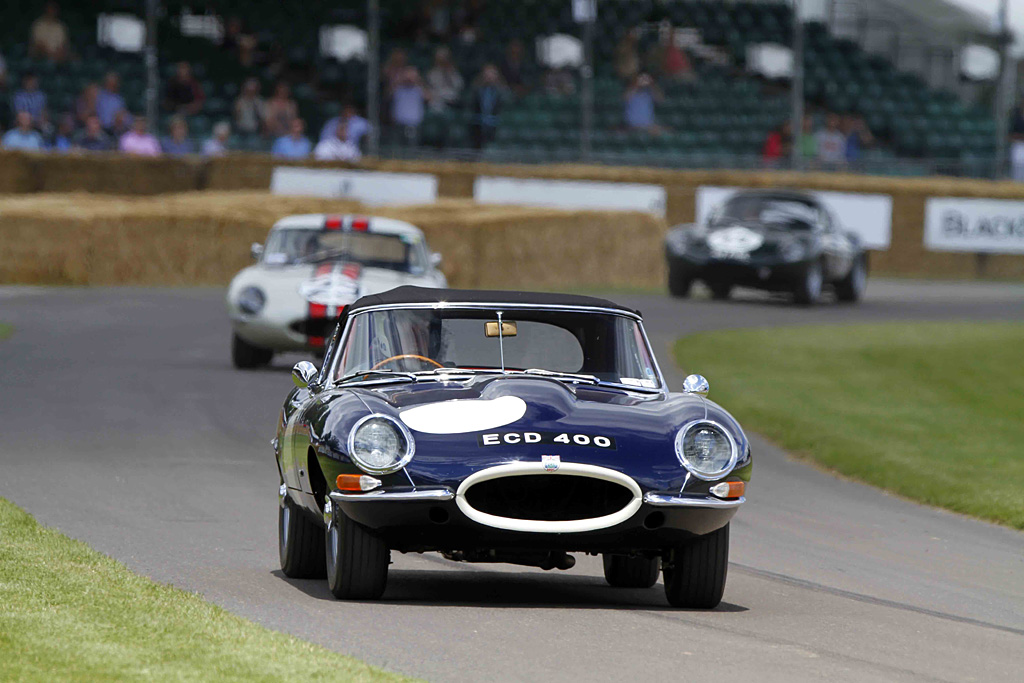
459 371
589 379
382 374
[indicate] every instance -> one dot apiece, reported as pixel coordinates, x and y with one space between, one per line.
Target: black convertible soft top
420 295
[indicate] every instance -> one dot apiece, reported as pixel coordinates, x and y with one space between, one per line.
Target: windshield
371 249
785 213
607 348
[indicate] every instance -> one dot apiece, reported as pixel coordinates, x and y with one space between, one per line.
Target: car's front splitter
429 519
761 274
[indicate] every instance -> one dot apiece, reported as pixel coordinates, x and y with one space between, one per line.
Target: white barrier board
975 225
570 194
371 187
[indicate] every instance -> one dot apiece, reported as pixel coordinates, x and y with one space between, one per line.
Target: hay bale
203 238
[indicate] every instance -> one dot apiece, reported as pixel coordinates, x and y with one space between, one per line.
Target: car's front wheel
623 571
695 571
357 561
851 287
679 282
720 291
808 288
300 543
246 356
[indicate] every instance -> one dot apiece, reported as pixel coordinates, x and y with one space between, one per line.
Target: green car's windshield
375 250
603 346
784 213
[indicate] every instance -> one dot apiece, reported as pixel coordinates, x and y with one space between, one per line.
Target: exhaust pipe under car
546 560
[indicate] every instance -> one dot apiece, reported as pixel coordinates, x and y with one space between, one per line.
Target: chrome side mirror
435 259
303 374
696 384
256 250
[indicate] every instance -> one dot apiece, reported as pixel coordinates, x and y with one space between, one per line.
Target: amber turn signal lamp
356 482
728 489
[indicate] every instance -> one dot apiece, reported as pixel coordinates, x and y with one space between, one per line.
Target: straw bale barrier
20 172
203 238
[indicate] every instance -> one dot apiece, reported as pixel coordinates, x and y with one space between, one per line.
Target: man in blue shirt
93 139
177 143
355 125
295 145
640 98
488 97
30 98
23 137
109 101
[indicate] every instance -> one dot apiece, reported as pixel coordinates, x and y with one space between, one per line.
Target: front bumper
759 273
431 519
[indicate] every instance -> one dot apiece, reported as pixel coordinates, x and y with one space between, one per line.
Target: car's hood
638 430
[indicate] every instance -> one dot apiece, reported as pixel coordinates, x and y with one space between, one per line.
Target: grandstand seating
724 110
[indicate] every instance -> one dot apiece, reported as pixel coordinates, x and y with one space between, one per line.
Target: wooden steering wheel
406 355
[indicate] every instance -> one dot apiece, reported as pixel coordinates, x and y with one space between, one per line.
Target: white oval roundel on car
735 240
464 415
332 289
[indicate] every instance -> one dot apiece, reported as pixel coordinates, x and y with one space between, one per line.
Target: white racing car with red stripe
311 267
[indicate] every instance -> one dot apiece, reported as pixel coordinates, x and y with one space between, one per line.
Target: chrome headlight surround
681 455
251 300
400 459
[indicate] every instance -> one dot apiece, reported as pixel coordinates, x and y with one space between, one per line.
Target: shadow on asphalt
462 587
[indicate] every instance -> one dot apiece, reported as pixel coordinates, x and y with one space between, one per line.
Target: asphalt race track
124 425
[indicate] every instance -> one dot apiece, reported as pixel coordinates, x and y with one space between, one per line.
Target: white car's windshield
601 347
375 250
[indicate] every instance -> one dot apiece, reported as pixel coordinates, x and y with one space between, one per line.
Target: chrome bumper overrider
397 496
675 500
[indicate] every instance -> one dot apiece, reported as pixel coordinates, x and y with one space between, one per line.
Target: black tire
300 543
720 291
695 572
245 356
851 287
622 571
678 282
807 291
357 561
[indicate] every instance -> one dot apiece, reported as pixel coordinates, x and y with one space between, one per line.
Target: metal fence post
587 85
1002 99
796 121
373 76
152 67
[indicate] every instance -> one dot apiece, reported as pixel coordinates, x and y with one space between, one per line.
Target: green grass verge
69 613
5 330
930 411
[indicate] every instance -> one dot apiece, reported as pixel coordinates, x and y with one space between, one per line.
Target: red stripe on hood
318 311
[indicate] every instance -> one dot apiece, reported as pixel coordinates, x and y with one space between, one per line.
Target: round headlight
706 449
380 444
251 300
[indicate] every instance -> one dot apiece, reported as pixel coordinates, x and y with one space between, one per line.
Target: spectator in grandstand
467 18
665 59
23 136
122 124
355 125
183 95
393 69
559 81
640 98
831 143
63 138
177 143
49 36
337 147
407 99
6 112
250 110
514 69
92 138
109 102
777 145
808 142
627 56
858 137
489 94
436 20
30 98
280 111
139 141
1017 158
217 144
444 81
240 41
85 105
295 145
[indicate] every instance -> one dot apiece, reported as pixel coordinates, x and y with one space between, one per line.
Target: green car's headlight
706 449
379 444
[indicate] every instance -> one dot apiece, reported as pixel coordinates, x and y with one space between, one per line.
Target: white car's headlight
251 300
379 444
706 449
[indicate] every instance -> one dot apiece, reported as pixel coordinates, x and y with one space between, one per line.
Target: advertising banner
974 225
570 194
371 187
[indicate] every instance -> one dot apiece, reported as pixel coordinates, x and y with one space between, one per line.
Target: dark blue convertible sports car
504 427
